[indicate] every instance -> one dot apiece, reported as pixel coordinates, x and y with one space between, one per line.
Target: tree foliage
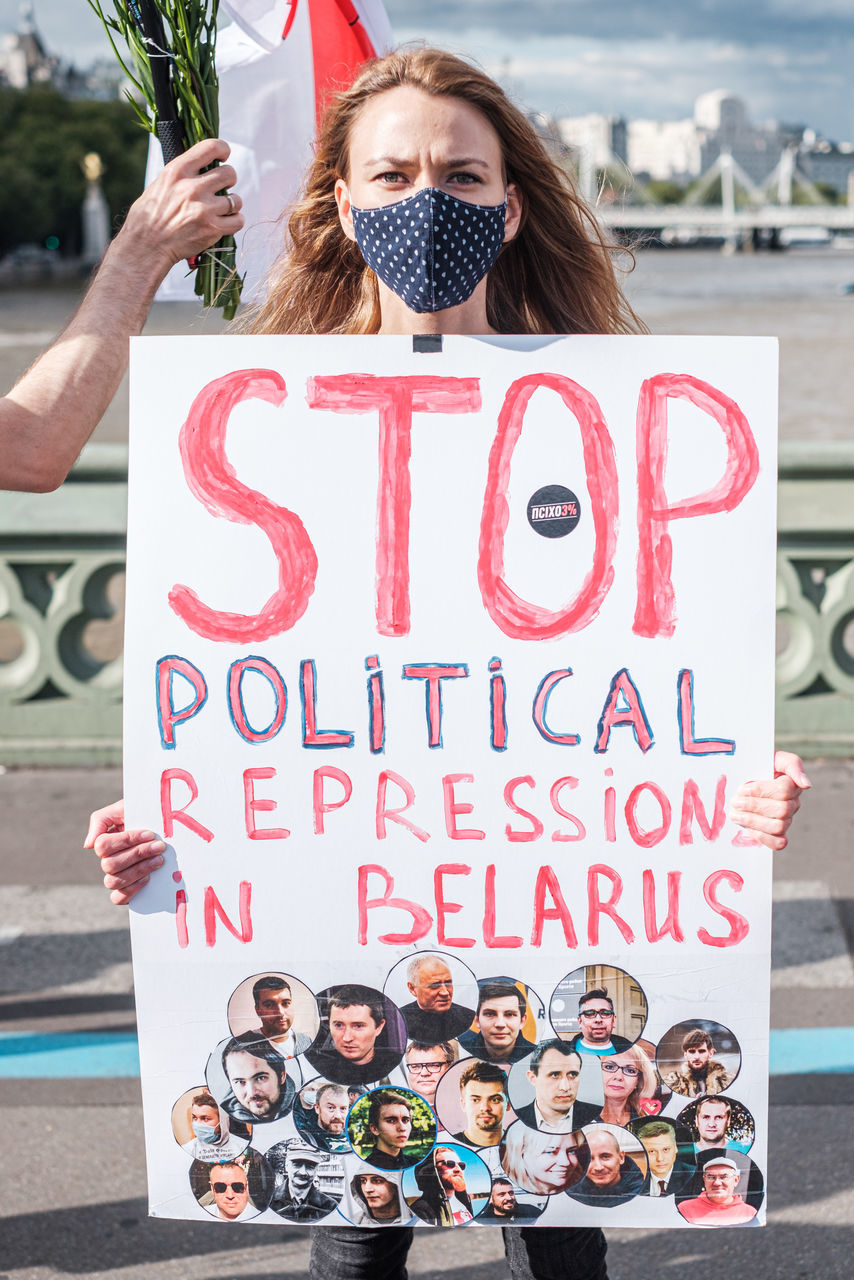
421 1139
664 191
43 139
829 192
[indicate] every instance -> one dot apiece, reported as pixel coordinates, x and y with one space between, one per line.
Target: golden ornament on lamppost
92 166
95 216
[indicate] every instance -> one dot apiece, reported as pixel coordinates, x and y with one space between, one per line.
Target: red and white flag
278 63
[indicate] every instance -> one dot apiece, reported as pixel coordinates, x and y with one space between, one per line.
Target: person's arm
52 410
128 858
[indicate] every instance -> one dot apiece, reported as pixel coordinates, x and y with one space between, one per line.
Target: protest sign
444 660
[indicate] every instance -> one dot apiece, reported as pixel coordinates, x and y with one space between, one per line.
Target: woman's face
554 1166
616 1083
405 139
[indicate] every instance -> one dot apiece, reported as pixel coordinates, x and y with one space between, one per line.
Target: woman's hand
767 808
127 857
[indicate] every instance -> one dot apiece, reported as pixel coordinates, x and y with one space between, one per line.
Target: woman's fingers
121 897
128 858
786 762
120 853
766 808
133 876
110 818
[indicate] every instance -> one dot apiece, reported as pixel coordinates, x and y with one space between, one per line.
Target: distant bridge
717 221
765 212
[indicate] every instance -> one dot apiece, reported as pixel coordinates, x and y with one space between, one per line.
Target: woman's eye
391 177
464 179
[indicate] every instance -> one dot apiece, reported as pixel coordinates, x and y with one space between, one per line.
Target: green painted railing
61 578
815 599
62 559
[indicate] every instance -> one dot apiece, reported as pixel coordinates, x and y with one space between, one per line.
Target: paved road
72 1203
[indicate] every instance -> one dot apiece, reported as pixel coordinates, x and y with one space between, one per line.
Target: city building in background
25 61
615 159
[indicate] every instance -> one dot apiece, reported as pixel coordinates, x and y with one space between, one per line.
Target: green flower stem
189 28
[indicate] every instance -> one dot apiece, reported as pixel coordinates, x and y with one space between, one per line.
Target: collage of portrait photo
448 1097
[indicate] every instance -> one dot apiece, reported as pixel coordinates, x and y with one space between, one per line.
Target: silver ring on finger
232 207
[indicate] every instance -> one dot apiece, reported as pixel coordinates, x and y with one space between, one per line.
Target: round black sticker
553 511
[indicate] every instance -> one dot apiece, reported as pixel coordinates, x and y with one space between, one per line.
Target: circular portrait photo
727 1191
307 1183
449 1188
278 1007
249 1079
510 1205
373 1197
233 1190
615 1167
622 1086
698 1057
425 1064
544 1088
717 1122
598 1009
320 1113
436 994
669 1154
542 1164
391 1128
203 1128
473 1103
508 1019
361 1037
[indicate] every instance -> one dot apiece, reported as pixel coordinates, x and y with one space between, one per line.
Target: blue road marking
808 1050
104 1054
74 1055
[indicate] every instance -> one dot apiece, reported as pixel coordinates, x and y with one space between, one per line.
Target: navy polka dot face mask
431 249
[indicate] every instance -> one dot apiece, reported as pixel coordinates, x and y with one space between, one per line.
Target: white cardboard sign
459 656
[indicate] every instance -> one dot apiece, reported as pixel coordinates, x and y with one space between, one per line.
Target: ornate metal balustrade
815 599
61 580
61 574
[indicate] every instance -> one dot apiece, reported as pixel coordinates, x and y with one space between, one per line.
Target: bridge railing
61 587
815 599
706 217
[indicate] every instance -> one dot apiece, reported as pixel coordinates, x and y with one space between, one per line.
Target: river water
797 296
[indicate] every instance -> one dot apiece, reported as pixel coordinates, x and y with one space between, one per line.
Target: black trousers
533 1253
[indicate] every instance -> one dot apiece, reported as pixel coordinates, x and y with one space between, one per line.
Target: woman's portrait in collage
448 1097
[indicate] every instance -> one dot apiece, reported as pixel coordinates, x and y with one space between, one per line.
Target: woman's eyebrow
454 164
394 162
397 162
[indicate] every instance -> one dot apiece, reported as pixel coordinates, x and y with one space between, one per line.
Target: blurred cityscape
716 157
26 61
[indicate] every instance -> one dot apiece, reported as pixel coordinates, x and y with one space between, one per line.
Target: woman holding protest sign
432 207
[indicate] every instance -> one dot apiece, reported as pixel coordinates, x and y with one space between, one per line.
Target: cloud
718 20
787 59
69 28
662 79
787 22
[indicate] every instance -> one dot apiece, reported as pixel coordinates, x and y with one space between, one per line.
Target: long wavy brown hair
556 276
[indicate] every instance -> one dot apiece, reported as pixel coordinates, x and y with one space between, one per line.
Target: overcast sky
790 60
